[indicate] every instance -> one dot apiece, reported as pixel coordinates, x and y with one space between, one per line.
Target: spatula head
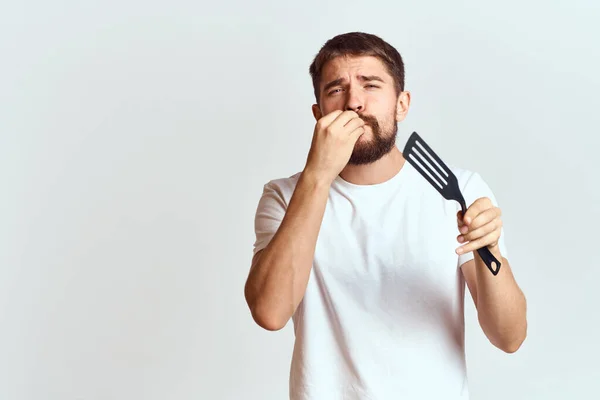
424 160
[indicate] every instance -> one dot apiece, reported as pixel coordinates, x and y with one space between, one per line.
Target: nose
354 102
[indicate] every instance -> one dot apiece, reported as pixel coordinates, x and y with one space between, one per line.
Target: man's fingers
476 208
479 226
487 240
355 134
342 119
477 233
484 217
353 124
329 118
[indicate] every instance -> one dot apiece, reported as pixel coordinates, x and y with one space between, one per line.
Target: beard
383 141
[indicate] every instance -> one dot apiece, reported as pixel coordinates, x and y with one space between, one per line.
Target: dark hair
358 44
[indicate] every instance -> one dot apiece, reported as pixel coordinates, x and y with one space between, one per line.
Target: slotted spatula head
424 159
432 168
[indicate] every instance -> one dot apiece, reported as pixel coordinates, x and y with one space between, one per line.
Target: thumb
459 218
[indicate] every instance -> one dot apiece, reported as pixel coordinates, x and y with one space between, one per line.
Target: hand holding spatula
432 168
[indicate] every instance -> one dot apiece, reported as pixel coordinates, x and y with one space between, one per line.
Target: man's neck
378 172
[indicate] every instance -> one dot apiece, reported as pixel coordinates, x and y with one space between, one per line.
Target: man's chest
393 241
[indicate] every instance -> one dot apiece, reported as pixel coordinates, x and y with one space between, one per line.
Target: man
366 257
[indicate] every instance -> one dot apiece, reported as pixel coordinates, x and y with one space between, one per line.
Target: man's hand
333 141
479 227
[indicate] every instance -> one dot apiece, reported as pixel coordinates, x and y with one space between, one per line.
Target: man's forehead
341 67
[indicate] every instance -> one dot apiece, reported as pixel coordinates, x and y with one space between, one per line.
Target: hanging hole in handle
495 267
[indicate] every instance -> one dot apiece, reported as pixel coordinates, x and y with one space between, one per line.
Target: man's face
362 84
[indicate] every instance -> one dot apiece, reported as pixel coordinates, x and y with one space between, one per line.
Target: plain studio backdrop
136 138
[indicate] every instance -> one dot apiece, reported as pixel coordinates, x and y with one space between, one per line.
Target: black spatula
420 156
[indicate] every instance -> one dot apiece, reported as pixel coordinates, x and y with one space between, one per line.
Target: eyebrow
364 78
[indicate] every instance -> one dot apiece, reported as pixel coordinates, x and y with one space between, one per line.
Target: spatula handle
486 255
488 258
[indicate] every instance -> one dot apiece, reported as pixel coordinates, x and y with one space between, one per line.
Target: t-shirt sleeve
269 214
475 188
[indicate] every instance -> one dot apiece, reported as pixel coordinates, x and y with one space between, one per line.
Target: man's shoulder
465 176
462 173
284 185
471 182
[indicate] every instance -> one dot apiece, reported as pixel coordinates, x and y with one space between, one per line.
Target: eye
372 86
334 91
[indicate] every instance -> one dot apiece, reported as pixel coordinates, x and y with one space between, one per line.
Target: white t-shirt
382 316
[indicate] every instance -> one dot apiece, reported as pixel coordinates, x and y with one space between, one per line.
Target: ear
402 106
316 112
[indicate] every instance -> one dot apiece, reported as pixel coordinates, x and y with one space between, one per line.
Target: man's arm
501 305
279 273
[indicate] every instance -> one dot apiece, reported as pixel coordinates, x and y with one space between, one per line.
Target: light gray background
135 138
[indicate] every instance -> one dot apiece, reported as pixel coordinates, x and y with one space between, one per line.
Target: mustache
370 120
